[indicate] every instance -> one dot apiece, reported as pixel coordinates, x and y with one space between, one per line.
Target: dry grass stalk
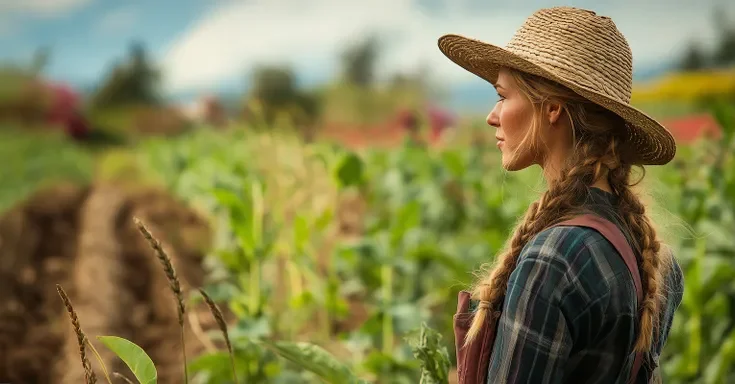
196 327
168 267
220 319
173 281
81 337
121 376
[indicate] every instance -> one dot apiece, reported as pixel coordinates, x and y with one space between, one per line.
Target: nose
493 119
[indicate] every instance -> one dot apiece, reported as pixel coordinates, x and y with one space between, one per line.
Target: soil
84 239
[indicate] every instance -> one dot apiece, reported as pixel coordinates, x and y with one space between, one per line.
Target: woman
566 303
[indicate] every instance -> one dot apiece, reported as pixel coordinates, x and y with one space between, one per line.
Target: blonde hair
596 154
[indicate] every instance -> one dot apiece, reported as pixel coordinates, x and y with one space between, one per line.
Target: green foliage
34 160
315 359
275 90
134 357
274 86
722 53
434 357
702 193
134 81
23 99
359 62
348 170
425 208
425 218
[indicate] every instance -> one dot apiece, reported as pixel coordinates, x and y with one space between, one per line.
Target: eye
500 96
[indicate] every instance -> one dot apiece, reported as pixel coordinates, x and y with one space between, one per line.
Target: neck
552 169
553 166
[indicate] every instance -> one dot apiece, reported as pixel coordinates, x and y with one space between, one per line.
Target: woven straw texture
582 51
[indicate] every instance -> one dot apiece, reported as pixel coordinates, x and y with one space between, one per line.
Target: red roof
690 128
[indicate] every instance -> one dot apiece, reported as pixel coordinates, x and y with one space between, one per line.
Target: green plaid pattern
570 310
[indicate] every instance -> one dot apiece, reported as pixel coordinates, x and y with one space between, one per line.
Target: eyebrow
498 85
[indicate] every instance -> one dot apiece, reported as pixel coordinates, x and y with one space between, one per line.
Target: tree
724 54
275 88
134 81
359 61
694 58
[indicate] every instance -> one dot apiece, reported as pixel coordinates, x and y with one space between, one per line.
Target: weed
173 281
222 326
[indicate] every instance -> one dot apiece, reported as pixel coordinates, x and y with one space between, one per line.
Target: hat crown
580 46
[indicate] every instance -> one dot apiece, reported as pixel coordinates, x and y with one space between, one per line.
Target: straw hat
582 51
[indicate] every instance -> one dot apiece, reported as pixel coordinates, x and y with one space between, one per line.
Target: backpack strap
613 234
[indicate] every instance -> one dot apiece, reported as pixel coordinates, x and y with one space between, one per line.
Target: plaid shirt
570 310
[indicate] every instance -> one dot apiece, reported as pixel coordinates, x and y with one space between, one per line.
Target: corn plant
429 218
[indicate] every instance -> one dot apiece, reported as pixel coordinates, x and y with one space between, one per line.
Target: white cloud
117 20
41 7
227 42
10 9
236 36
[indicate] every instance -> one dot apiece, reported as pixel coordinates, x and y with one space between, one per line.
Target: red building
687 129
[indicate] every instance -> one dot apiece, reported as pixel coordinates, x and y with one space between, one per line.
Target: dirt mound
84 239
37 250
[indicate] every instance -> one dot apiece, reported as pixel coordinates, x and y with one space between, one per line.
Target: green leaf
434 358
302 232
316 360
408 217
134 357
323 220
453 160
349 170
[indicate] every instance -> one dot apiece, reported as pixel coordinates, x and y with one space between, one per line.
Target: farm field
196 213
350 248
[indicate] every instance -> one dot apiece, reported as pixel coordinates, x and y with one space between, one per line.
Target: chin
512 165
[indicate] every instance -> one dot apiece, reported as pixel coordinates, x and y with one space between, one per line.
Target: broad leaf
134 357
349 170
316 360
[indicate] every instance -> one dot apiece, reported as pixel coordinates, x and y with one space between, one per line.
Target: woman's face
513 115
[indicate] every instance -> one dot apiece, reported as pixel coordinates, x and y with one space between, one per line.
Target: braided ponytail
653 262
561 201
595 157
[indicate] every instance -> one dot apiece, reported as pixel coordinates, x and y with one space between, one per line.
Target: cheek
514 120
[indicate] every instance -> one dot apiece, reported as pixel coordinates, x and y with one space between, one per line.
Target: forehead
504 80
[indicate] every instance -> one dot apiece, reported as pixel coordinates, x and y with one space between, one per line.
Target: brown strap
613 234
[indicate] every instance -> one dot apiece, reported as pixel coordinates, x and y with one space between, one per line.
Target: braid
561 201
651 264
596 155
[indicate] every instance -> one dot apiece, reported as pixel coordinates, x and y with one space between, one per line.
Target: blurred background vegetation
343 214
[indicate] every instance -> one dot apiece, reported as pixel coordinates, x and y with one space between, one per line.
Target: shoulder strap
613 234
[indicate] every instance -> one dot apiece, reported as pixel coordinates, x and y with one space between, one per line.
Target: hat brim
649 142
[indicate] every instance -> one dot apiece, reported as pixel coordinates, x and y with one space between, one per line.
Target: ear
553 112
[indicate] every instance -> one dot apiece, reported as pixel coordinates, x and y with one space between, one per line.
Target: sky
211 45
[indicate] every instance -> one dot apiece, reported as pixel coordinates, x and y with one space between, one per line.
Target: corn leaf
316 360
